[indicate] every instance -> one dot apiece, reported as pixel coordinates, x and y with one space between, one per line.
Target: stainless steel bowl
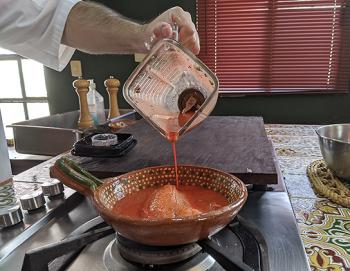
335 147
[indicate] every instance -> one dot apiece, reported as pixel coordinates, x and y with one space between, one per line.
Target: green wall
325 108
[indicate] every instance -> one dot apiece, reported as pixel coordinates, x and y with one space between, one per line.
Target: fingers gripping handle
152 40
175 29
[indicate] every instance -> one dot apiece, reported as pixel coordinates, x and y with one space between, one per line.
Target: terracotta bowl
164 232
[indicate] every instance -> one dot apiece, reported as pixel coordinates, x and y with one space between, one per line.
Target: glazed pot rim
318 132
109 215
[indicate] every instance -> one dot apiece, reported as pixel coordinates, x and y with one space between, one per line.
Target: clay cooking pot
160 232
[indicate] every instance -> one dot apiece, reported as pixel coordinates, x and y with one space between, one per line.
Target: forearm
96 29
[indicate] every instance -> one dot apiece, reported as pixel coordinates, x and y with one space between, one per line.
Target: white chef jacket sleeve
34 29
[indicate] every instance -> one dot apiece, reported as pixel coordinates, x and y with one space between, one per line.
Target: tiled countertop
324 226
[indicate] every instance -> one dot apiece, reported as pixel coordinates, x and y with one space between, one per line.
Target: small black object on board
85 147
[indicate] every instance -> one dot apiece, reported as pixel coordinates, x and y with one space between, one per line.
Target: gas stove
263 237
115 252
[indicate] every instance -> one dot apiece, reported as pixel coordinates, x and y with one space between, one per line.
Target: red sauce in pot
169 202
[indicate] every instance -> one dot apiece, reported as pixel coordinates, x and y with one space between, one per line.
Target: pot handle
69 173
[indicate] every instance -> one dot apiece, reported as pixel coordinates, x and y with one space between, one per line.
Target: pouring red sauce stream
172 137
175 164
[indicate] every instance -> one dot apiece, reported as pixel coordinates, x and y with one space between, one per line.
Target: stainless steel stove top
269 214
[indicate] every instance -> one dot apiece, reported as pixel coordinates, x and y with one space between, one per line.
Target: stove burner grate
113 261
144 254
233 248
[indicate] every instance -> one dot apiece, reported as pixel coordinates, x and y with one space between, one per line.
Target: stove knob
10 216
32 201
52 188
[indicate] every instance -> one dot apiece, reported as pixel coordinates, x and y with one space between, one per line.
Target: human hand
161 27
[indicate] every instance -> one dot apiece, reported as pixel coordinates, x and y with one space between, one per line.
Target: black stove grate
234 248
136 252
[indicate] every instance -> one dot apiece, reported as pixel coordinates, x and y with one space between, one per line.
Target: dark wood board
237 145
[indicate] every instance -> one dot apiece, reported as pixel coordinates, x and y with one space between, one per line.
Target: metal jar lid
52 188
10 216
32 200
104 140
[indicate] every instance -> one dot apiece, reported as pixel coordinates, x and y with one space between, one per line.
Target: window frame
24 100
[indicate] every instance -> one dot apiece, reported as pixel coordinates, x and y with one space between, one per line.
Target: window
278 46
23 93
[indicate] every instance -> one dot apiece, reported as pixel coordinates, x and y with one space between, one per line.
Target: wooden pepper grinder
112 85
82 88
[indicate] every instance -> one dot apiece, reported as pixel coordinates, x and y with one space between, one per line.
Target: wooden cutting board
237 145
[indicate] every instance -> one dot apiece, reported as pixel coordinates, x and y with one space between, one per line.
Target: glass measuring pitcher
172 89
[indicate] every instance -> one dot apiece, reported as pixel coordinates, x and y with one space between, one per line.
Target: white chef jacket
34 28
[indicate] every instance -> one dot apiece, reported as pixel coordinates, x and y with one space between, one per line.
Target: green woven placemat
328 185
